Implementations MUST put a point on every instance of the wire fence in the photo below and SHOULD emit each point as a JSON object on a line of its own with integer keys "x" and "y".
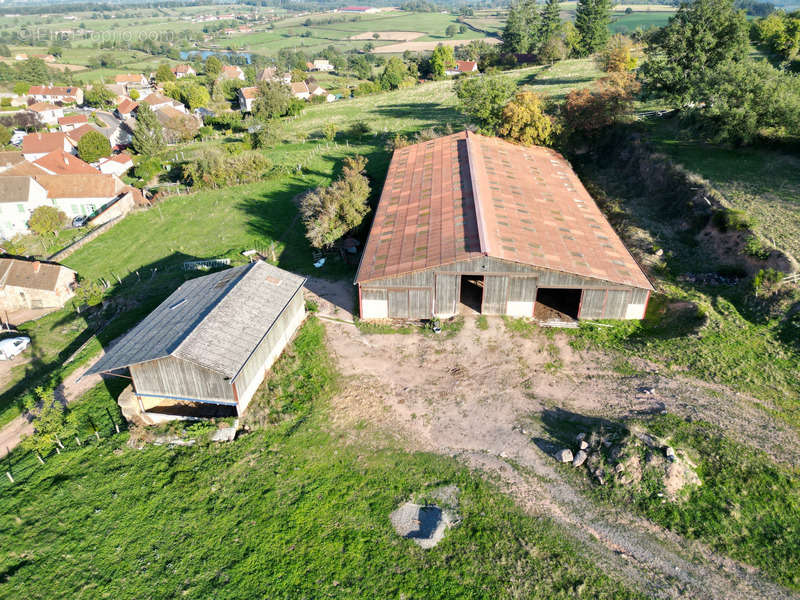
{"x": 19, "y": 465}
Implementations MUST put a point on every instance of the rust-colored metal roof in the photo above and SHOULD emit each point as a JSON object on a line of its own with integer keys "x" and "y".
{"x": 466, "y": 195}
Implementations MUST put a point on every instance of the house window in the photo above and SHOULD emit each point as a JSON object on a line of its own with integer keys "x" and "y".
{"x": 21, "y": 208}
{"x": 74, "y": 209}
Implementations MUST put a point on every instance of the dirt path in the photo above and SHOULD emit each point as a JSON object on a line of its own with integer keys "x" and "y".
{"x": 467, "y": 396}
{"x": 69, "y": 390}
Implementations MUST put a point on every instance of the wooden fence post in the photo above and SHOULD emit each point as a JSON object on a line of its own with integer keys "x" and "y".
{"x": 10, "y": 478}
{"x": 39, "y": 456}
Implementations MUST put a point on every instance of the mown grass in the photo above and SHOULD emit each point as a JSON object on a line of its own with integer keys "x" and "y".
{"x": 747, "y": 507}
{"x": 294, "y": 510}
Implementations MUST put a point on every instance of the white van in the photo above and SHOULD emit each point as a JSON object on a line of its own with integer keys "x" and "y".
{"x": 10, "y": 347}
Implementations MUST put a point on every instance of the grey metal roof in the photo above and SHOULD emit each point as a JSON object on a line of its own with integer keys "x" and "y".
{"x": 214, "y": 321}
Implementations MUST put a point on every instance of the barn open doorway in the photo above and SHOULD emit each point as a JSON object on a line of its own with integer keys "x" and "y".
{"x": 471, "y": 293}
{"x": 557, "y": 304}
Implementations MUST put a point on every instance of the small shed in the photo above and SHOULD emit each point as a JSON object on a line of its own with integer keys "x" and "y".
{"x": 473, "y": 223}
{"x": 205, "y": 350}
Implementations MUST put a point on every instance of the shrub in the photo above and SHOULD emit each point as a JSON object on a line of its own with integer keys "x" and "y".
{"x": 93, "y": 146}
{"x": 359, "y": 129}
{"x": 213, "y": 168}
{"x": 46, "y": 221}
{"x": 732, "y": 220}
{"x": 524, "y": 120}
{"x": 330, "y": 212}
{"x": 754, "y": 247}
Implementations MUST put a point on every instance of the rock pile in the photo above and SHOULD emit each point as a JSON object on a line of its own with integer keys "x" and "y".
{"x": 625, "y": 457}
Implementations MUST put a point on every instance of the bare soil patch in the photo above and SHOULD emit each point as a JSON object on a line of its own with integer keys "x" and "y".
{"x": 477, "y": 396}
{"x": 391, "y": 36}
{"x": 425, "y": 46}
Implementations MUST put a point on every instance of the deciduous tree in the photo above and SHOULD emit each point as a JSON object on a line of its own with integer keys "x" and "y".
{"x": 701, "y": 35}
{"x": 272, "y": 100}
{"x": 93, "y": 146}
{"x": 331, "y": 212}
{"x": 442, "y": 59}
{"x": 523, "y": 120}
{"x": 483, "y": 99}
{"x": 47, "y": 221}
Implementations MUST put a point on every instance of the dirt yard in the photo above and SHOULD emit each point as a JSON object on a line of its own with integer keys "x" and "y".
{"x": 391, "y": 36}
{"x": 481, "y": 395}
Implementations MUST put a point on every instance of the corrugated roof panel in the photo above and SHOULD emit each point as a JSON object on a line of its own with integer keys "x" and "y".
{"x": 473, "y": 195}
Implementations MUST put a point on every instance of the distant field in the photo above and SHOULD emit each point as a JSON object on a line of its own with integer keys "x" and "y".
{"x": 622, "y": 23}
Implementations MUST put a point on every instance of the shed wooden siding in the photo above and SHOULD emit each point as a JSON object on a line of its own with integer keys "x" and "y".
{"x": 508, "y": 287}
{"x": 172, "y": 377}
{"x": 252, "y": 373}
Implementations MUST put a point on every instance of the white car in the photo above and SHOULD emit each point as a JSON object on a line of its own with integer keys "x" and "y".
{"x": 10, "y": 347}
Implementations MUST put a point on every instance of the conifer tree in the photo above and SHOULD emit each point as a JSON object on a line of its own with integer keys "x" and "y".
{"x": 550, "y": 20}
{"x": 591, "y": 20}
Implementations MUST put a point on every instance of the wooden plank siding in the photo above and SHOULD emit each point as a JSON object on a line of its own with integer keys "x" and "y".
{"x": 436, "y": 291}
{"x": 174, "y": 378}
{"x": 252, "y": 373}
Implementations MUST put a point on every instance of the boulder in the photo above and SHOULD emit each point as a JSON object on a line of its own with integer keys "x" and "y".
{"x": 580, "y": 437}
{"x": 583, "y": 445}
{"x": 564, "y": 455}
{"x": 579, "y": 459}
{"x": 669, "y": 452}
{"x": 226, "y": 434}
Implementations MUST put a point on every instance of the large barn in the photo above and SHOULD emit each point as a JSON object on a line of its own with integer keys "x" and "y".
{"x": 467, "y": 222}
{"x": 205, "y": 350}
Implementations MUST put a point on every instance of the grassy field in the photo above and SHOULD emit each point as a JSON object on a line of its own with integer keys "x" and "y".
{"x": 294, "y": 510}
{"x": 763, "y": 181}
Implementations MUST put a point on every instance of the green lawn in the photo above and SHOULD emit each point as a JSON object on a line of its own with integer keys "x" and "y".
{"x": 289, "y": 511}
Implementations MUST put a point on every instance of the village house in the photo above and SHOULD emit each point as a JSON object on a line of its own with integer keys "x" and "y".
{"x": 233, "y": 72}
{"x": 59, "y": 162}
{"x": 47, "y": 113}
{"x": 116, "y": 164}
{"x": 34, "y": 284}
{"x": 205, "y": 350}
{"x": 321, "y": 64}
{"x": 70, "y": 122}
{"x": 56, "y": 94}
{"x": 461, "y": 67}
{"x": 20, "y": 56}
{"x": 156, "y": 101}
{"x": 247, "y": 96}
{"x": 300, "y": 90}
{"x": 176, "y": 123}
{"x": 36, "y": 145}
{"x": 271, "y": 74}
{"x": 10, "y": 158}
{"x": 468, "y": 223}
{"x": 48, "y": 58}
{"x": 81, "y": 195}
{"x": 181, "y": 71}
{"x": 132, "y": 80}
{"x": 125, "y": 109}
{"x": 128, "y": 199}
{"x": 22, "y": 194}
{"x": 314, "y": 89}
{"x": 362, "y": 10}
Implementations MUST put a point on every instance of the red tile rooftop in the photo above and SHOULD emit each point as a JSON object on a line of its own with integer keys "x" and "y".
{"x": 466, "y": 195}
